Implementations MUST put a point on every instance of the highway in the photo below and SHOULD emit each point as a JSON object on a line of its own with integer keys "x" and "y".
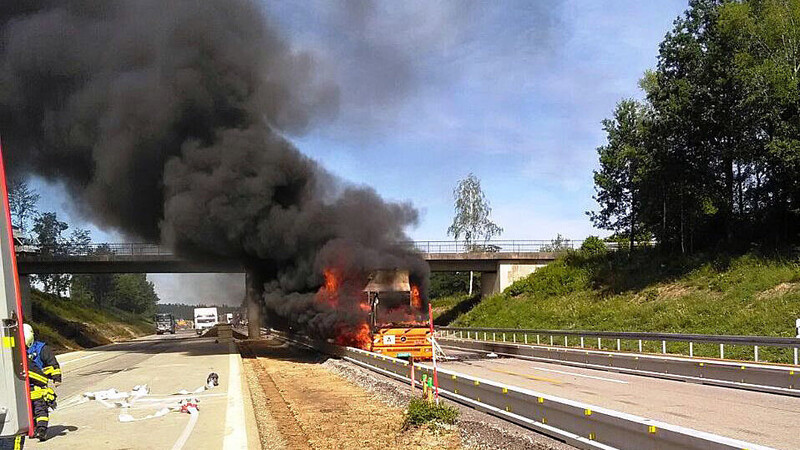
{"x": 761, "y": 418}
{"x": 166, "y": 364}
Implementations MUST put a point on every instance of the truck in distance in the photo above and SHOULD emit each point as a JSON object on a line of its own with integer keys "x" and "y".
{"x": 205, "y": 318}
{"x": 165, "y": 323}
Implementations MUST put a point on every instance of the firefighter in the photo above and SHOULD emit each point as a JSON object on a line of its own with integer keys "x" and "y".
{"x": 42, "y": 368}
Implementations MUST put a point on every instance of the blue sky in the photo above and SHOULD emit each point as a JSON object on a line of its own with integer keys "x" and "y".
{"x": 431, "y": 91}
{"x": 512, "y": 91}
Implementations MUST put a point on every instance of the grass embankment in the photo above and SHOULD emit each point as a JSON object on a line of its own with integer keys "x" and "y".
{"x": 69, "y": 325}
{"x": 446, "y": 309}
{"x": 744, "y": 295}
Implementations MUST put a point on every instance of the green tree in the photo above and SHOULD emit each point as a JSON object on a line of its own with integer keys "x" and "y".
{"x": 133, "y": 293}
{"x": 48, "y": 232}
{"x": 22, "y": 202}
{"x": 471, "y": 221}
{"x": 765, "y": 36}
{"x": 445, "y": 284}
{"x": 619, "y": 180}
{"x": 94, "y": 288}
{"x": 712, "y": 158}
{"x": 472, "y": 210}
{"x": 79, "y": 241}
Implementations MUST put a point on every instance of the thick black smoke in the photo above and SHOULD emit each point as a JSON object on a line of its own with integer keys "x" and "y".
{"x": 166, "y": 121}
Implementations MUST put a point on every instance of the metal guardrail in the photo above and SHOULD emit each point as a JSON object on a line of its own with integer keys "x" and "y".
{"x": 773, "y": 378}
{"x": 579, "y": 424}
{"x": 512, "y": 334}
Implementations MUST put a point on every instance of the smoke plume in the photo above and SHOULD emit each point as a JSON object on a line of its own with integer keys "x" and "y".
{"x": 167, "y": 121}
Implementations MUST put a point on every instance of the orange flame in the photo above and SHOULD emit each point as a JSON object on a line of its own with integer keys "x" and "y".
{"x": 416, "y": 300}
{"x": 329, "y": 292}
{"x": 361, "y": 337}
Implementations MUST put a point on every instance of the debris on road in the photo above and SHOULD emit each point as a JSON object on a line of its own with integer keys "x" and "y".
{"x": 212, "y": 380}
{"x": 112, "y": 398}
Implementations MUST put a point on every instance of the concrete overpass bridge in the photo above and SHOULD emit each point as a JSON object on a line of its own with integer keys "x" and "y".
{"x": 500, "y": 262}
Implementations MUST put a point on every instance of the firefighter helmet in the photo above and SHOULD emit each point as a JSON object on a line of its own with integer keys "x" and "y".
{"x": 28, "y": 331}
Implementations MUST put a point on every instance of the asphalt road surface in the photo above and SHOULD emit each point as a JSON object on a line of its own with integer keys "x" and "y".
{"x": 167, "y": 364}
{"x": 761, "y": 418}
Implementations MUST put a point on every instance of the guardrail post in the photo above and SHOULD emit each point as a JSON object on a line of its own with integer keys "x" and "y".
{"x": 599, "y": 344}
{"x": 493, "y": 339}
{"x": 514, "y": 338}
{"x": 640, "y": 346}
{"x": 795, "y": 356}
{"x": 721, "y": 351}
{"x": 551, "y": 340}
{"x": 755, "y": 353}
{"x": 526, "y": 339}
{"x": 484, "y": 335}
{"x": 581, "y": 341}
{"x": 460, "y": 334}
{"x": 619, "y": 345}
{"x": 691, "y": 349}
{"x": 795, "y": 350}
{"x": 504, "y": 337}
{"x": 663, "y": 346}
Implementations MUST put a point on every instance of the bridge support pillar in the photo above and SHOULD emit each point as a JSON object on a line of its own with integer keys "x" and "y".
{"x": 25, "y": 294}
{"x": 490, "y": 284}
{"x": 507, "y": 273}
{"x": 255, "y": 293}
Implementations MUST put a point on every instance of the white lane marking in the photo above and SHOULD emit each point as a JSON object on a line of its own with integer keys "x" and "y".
{"x": 186, "y": 432}
{"x": 581, "y": 375}
{"x": 82, "y": 357}
{"x": 235, "y": 433}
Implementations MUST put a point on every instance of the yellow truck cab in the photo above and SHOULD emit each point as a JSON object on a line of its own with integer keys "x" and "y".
{"x": 397, "y": 330}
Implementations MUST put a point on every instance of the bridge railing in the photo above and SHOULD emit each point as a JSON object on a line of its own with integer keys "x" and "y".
{"x": 455, "y": 247}
{"x": 498, "y": 246}
{"x": 94, "y": 250}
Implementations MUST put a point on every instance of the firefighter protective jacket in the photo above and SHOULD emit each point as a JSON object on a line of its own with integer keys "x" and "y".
{"x": 43, "y": 356}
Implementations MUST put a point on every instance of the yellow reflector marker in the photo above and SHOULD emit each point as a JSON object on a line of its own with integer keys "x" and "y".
{"x": 8, "y": 342}
{"x": 701, "y": 364}
{"x": 455, "y": 391}
{"x": 454, "y": 377}
{"x": 544, "y": 420}
{"x": 477, "y": 383}
{"x": 742, "y": 367}
{"x": 508, "y": 408}
{"x": 652, "y": 429}
{"x": 587, "y": 412}
{"x": 505, "y": 390}
{"x": 591, "y": 436}
{"x": 541, "y": 399}
{"x": 791, "y": 372}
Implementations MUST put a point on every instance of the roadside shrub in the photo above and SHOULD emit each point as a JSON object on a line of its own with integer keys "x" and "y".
{"x": 593, "y": 246}
{"x": 421, "y": 412}
{"x": 557, "y": 278}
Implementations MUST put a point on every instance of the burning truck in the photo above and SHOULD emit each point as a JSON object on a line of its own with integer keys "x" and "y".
{"x": 408, "y": 337}
{"x": 389, "y": 312}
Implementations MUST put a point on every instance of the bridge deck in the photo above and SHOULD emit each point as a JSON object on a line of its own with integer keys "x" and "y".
{"x": 153, "y": 259}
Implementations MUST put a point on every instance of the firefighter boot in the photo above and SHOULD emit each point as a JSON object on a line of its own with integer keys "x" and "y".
{"x": 40, "y": 433}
